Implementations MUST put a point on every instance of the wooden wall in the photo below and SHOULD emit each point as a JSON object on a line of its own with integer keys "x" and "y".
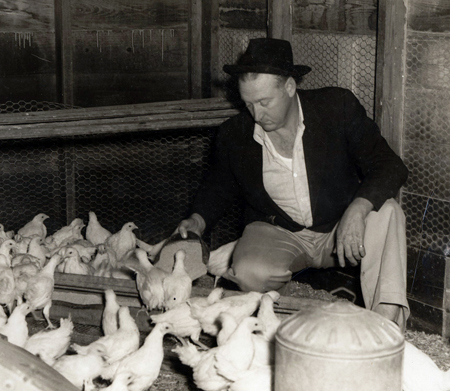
{"x": 108, "y": 52}
{"x": 425, "y": 145}
{"x": 349, "y": 16}
{"x": 129, "y": 51}
{"x": 27, "y": 44}
{"x": 243, "y": 14}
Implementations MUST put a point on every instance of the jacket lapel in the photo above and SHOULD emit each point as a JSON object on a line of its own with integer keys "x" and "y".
{"x": 315, "y": 147}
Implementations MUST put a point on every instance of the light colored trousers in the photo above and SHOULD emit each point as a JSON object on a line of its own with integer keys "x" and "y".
{"x": 267, "y": 255}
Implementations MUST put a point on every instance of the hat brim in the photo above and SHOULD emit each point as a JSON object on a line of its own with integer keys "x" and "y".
{"x": 296, "y": 71}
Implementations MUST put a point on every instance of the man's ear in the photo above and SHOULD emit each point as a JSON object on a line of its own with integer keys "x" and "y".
{"x": 291, "y": 87}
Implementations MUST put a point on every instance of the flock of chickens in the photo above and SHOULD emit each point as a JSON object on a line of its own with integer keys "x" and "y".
{"x": 28, "y": 260}
{"x": 242, "y": 359}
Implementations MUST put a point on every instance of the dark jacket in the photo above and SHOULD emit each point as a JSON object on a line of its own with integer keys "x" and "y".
{"x": 345, "y": 155}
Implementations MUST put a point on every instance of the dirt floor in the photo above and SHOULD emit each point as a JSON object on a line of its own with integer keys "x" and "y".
{"x": 176, "y": 377}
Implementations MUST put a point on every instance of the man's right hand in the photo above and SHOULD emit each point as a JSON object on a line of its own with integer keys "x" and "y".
{"x": 195, "y": 223}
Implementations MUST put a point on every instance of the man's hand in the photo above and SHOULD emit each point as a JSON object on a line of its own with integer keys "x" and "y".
{"x": 350, "y": 232}
{"x": 195, "y": 223}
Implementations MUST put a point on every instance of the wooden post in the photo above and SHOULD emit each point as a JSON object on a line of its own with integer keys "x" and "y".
{"x": 63, "y": 37}
{"x": 195, "y": 49}
{"x": 389, "y": 91}
{"x": 214, "y": 48}
{"x": 280, "y": 19}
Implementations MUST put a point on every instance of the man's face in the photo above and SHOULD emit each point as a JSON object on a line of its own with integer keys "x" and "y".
{"x": 267, "y": 101}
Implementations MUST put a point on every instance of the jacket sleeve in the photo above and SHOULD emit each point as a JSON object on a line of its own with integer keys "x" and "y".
{"x": 383, "y": 172}
{"x": 220, "y": 188}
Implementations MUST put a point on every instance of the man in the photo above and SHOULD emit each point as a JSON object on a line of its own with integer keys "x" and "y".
{"x": 317, "y": 177}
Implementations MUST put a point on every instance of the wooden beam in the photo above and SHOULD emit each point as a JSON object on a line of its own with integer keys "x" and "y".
{"x": 104, "y": 121}
{"x": 121, "y": 112}
{"x": 389, "y": 91}
{"x": 280, "y": 19}
{"x": 211, "y": 49}
{"x": 64, "y": 56}
{"x": 195, "y": 52}
{"x": 286, "y": 305}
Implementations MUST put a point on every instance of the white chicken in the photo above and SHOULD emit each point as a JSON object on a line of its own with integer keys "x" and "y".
{"x": 85, "y": 248}
{"x": 3, "y": 235}
{"x": 267, "y": 315}
{"x": 220, "y": 259}
{"x": 120, "y": 243}
{"x": 257, "y": 378}
{"x": 149, "y": 280}
{"x": 7, "y": 282}
{"x": 228, "y": 325}
{"x": 79, "y": 369}
{"x": 35, "y": 227}
{"x": 140, "y": 369}
{"x": 177, "y": 286}
{"x": 72, "y": 263}
{"x": 203, "y": 366}
{"x": 115, "y": 346}
{"x": 22, "y": 243}
{"x": 265, "y": 341}
{"x": 239, "y": 348}
{"x": 420, "y": 373}
{"x": 181, "y": 320}
{"x": 6, "y": 250}
{"x": 152, "y": 250}
{"x": 95, "y": 233}
{"x": 101, "y": 264}
{"x": 240, "y": 306}
{"x": 3, "y": 316}
{"x": 109, "y": 315}
{"x": 49, "y": 345}
{"x": 37, "y": 249}
{"x": 16, "y": 328}
{"x": 40, "y": 288}
{"x": 68, "y": 234}
{"x": 22, "y": 272}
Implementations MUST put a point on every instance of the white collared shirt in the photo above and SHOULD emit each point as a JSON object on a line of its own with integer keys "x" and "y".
{"x": 286, "y": 180}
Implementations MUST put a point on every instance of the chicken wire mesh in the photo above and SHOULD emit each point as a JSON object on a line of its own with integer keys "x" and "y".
{"x": 344, "y": 60}
{"x": 31, "y": 106}
{"x": 149, "y": 178}
{"x": 426, "y": 195}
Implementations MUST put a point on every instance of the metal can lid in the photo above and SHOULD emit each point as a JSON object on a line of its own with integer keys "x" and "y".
{"x": 339, "y": 329}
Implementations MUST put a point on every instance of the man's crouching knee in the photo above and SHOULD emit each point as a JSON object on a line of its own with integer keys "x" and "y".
{"x": 256, "y": 279}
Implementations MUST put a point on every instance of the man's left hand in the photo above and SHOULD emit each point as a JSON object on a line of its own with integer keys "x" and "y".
{"x": 350, "y": 232}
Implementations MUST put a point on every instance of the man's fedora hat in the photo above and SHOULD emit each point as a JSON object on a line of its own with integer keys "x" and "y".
{"x": 268, "y": 55}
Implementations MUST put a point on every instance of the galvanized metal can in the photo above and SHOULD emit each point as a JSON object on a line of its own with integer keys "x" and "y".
{"x": 338, "y": 347}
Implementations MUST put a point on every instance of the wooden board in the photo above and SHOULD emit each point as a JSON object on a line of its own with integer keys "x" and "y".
{"x": 26, "y": 15}
{"x": 351, "y": 16}
{"x": 238, "y": 14}
{"x": 131, "y": 51}
{"x": 87, "y": 306}
{"x": 128, "y": 14}
{"x": 40, "y": 87}
{"x": 179, "y": 115}
{"x": 99, "y": 89}
{"x": 64, "y": 51}
{"x": 280, "y": 19}
{"x": 429, "y": 15}
{"x": 389, "y": 106}
{"x": 28, "y": 53}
